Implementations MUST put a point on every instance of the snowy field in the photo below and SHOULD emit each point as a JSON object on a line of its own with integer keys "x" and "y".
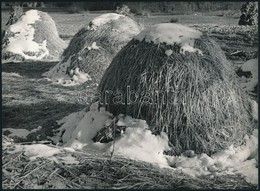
{"x": 57, "y": 122}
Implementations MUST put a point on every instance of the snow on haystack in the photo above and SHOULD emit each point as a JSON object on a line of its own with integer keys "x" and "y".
{"x": 33, "y": 37}
{"x": 170, "y": 34}
{"x": 93, "y": 47}
{"x": 103, "y": 19}
{"x": 138, "y": 143}
{"x": 251, "y": 83}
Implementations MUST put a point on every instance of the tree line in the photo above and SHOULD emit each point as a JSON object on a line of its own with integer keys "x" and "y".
{"x": 152, "y": 6}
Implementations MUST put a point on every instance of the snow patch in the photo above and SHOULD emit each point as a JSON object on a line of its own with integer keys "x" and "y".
{"x": 242, "y": 160}
{"x": 103, "y": 19}
{"x": 22, "y": 42}
{"x": 254, "y": 109}
{"x": 37, "y": 151}
{"x": 138, "y": 143}
{"x": 93, "y": 46}
{"x": 69, "y": 123}
{"x": 13, "y": 74}
{"x": 77, "y": 78}
{"x": 44, "y": 151}
{"x": 22, "y": 133}
{"x": 92, "y": 122}
{"x": 189, "y": 48}
{"x": 17, "y": 132}
{"x": 250, "y": 66}
{"x": 171, "y": 33}
{"x": 68, "y": 159}
{"x": 168, "y": 52}
{"x": 80, "y": 77}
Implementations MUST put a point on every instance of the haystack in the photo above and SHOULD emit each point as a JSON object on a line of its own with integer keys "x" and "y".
{"x": 33, "y": 37}
{"x": 180, "y": 82}
{"x": 93, "y": 47}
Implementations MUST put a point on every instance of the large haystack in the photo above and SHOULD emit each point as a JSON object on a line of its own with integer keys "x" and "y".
{"x": 93, "y": 47}
{"x": 33, "y": 37}
{"x": 180, "y": 82}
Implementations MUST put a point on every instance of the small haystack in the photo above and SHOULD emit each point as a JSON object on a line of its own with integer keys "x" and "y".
{"x": 94, "y": 46}
{"x": 180, "y": 82}
{"x": 33, "y": 37}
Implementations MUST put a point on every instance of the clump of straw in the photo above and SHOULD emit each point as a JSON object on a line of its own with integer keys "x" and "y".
{"x": 194, "y": 98}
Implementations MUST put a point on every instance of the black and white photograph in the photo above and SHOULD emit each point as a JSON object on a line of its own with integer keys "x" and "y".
{"x": 129, "y": 95}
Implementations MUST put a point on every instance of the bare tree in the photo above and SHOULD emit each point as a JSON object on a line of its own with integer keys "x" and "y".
{"x": 249, "y": 13}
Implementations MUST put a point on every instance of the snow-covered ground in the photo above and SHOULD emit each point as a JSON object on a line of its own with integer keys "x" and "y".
{"x": 138, "y": 143}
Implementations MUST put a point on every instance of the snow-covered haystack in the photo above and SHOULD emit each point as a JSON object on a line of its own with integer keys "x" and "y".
{"x": 181, "y": 83}
{"x": 93, "y": 47}
{"x": 33, "y": 37}
{"x": 249, "y": 69}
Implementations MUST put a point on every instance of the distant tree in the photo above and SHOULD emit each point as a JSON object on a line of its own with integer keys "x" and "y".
{"x": 41, "y": 4}
{"x": 123, "y": 10}
{"x": 249, "y": 13}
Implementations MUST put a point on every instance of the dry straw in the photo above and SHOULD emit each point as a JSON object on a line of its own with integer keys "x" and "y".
{"x": 109, "y": 39}
{"x": 99, "y": 171}
{"x": 44, "y": 29}
{"x": 205, "y": 111}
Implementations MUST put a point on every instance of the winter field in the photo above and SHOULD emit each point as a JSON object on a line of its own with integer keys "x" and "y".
{"x": 35, "y": 109}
